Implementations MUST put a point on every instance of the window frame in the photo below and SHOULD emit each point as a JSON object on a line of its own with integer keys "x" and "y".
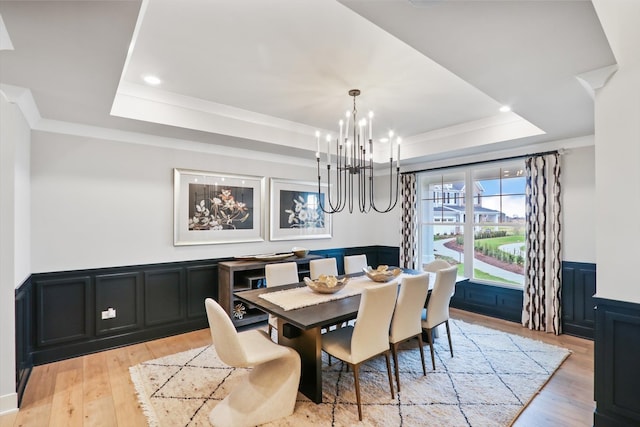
{"x": 468, "y": 223}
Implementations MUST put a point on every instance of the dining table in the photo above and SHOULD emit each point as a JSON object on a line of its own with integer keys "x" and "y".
{"x": 303, "y": 314}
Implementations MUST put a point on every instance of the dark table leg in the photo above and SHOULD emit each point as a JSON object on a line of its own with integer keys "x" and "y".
{"x": 308, "y": 344}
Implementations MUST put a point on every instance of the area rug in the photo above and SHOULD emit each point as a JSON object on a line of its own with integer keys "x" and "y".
{"x": 490, "y": 379}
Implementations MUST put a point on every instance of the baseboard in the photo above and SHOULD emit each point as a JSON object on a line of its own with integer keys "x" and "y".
{"x": 8, "y": 403}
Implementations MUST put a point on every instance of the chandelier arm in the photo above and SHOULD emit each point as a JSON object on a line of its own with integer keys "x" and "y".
{"x": 340, "y": 189}
{"x": 322, "y": 207}
{"x": 339, "y": 204}
{"x": 393, "y": 201}
{"x": 339, "y": 168}
{"x": 365, "y": 205}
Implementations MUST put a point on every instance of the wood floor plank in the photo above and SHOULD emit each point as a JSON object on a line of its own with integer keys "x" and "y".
{"x": 139, "y": 353}
{"x": 67, "y": 402}
{"x": 96, "y": 390}
{"x": 96, "y": 373}
{"x": 40, "y": 386}
{"x": 125, "y": 401}
{"x": 98, "y": 408}
{"x": 8, "y": 420}
{"x": 100, "y": 412}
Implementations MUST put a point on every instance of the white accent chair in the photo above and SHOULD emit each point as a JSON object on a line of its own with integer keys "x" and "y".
{"x": 437, "y": 311}
{"x": 280, "y": 274}
{"x": 435, "y": 265}
{"x": 370, "y": 335}
{"x": 406, "y": 321}
{"x": 355, "y": 263}
{"x": 318, "y": 267}
{"x": 269, "y": 390}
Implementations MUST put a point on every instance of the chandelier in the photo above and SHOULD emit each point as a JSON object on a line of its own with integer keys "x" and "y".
{"x": 353, "y": 169}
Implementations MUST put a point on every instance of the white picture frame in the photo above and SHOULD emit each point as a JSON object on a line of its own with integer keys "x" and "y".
{"x": 215, "y": 208}
{"x": 295, "y": 213}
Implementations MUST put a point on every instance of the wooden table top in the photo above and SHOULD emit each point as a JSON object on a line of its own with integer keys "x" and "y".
{"x": 328, "y": 313}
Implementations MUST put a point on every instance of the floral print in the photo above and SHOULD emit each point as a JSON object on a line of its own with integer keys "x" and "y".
{"x": 304, "y": 216}
{"x": 221, "y": 212}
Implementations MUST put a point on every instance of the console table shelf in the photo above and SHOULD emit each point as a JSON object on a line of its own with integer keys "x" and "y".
{"x": 239, "y": 275}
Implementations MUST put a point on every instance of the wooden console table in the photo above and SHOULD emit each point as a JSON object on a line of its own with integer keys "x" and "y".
{"x": 238, "y": 275}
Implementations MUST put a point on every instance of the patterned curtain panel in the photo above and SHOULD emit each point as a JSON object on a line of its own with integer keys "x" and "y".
{"x": 409, "y": 222}
{"x": 542, "y": 284}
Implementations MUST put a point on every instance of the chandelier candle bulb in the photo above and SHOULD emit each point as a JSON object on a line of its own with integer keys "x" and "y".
{"x": 328, "y": 148}
{"x": 398, "y": 161}
{"x": 346, "y": 127}
{"x": 370, "y": 124}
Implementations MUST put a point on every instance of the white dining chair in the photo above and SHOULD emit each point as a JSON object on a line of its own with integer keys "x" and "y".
{"x": 369, "y": 337}
{"x": 437, "y": 311}
{"x": 270, "y": 388}
{"x": 318, "y": 267}
{"x": 406, "y": 321}
{"x": 276, "y": 275}
{"x": 329, "y": 267}
{"x": 355, "y": 263}
{"x": 436, "y": 264}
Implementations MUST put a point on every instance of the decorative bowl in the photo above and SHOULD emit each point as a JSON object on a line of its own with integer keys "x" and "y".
{"x": 326, "y": 284}
{"x": 381, "y": 274}
{"x": 300, "y": 252}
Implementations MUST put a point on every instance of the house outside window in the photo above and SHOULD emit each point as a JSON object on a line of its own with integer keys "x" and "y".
{"x": 474, "y": 217}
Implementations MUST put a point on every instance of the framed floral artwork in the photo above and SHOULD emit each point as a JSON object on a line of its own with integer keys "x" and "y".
{"x": 295, "y": 211}
{"x": 211, "y": 208}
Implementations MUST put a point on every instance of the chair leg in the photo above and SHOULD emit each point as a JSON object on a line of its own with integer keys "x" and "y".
{"x": 269, "y": 329}
{"x": 394, "y": 353}
{"x": 386, "y": 356}
{"x": 356, "y": 382}
{"x": 449, "y": 336}
{"x": 430, "y": 341}
{"x": 420, "y": 345}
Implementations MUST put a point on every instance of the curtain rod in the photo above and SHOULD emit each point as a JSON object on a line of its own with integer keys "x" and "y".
{"x": 480, "y": 162}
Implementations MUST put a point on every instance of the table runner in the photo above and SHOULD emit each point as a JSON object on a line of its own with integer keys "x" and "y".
{"x": 290, "y": 299}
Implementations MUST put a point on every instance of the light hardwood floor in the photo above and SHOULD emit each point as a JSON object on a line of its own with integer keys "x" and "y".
{"x": 96, "y": 390}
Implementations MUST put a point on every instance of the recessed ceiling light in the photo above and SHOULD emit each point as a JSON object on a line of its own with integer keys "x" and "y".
{"x": 152, "y": 80}
{"x": 505, "y": 109}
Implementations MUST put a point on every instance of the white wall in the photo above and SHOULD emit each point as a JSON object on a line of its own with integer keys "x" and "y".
{"x": 617, "y": 154}
{"x": 14, "y": 236}
{"x": 102, "y": 203}
{"x": 578, "y": 205}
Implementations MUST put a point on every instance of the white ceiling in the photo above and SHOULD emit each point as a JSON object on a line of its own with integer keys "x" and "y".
{"x": 267, "y": 74}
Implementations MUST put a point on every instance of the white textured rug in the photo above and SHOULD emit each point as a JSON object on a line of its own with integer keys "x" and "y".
{"x": 489, "y": 381}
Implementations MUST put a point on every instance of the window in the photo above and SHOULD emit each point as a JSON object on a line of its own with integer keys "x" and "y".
{"x": 474, "y": 217}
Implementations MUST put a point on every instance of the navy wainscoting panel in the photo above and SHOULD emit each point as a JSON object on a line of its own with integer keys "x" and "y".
{"x": 63, "y": 310}
{"x": 121, "y": 292}
{"x": 59, "y": 314}
{"x": 496, "y": 301}
{"x": 199, "y": 280}
{"x": 578, "y": 305}
{"x": 24, "y": 339}
{"x": 617, "y": 363}
{"x": 164, "y": 296}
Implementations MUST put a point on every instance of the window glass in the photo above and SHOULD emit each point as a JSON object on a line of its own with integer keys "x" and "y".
{"x": 493, "y": 233}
